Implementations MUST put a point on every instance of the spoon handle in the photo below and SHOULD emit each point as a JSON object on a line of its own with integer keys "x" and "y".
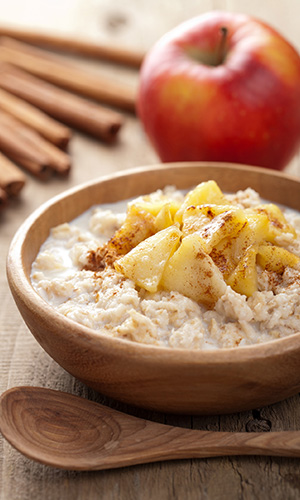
{"x": 201, "y": 444}
{"x": 162, "y": 442}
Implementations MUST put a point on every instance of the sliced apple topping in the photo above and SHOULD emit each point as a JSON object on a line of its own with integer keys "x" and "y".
{"x": 138, "y": 225}
{"x": 145, "y": 263}
{"x": 165, "y": 217}
{"x": 276, "y": 259}
{"x": 277, "y": 222}
{"x": 204, "y": 193}
{"x": 202, "y": 245}
{"x": 225, "y": 223}
{"x": 154, "y": 204}
{"x": 192, "y": 272}
{"x": 244, "y": 277}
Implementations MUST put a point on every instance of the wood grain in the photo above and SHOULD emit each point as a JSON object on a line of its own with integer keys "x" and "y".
{"x": 22, "y": 360}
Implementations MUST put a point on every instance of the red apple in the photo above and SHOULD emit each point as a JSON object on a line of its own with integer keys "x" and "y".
{"x": 222, "y": 87}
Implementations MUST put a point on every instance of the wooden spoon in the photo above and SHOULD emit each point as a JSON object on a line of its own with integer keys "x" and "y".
{"x": 70, "y": 432}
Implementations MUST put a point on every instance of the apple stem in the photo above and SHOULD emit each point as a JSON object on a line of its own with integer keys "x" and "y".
{"x": 222, "y": 47}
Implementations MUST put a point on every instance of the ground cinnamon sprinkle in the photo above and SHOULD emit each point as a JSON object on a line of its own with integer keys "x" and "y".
{"x": 274, "y": 280}
{"x": 100, "y": 258}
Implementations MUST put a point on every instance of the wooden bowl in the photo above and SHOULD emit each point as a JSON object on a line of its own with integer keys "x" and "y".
{"x": 163, "y": 379}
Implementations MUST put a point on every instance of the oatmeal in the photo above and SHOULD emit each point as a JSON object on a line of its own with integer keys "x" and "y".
{"x": 201, "y": 270}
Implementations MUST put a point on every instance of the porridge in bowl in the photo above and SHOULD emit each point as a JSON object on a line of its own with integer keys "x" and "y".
{"x": 197, "y": 270}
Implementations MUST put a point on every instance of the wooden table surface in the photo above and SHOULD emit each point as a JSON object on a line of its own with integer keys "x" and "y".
{"x": 135, "y": 23}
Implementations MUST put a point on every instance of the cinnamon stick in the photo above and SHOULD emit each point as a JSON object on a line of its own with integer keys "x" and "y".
{"x": 20, "y": 149}
{"x": 49, "y": 128}
{"x": 42, "y": 173}
{"x": 64, "y": 106}
{"x": 58, "y": 160}
{"x": 97, "y": 50}
{"x": 3, "y": 198}
{"x": 71, "y": 77}
{"x": 12, "y": 179}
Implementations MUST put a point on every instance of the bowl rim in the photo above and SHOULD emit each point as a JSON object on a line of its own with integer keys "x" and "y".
{"x": 20, "y": 281}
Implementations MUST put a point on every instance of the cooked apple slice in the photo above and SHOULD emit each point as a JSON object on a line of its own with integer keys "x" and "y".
{"x": 153, "y": 205}
{"x": 195, "y": 218}
{"x": 274, "y": 258}
{"x": 223, "y": 257}
{"x": 243, "y": 280}
{"x": 205, "y": 193}
{"x": 145, "y": 263}
{"x": 164, "y": 218}
{"x": 277, "y": 221}
{"x": 226, "y": 224}
{"x": 231, "y": 250}
{"x": 137, "y": 226}
{"x": 193, "y": 273}
{"x": 253, "y": 233}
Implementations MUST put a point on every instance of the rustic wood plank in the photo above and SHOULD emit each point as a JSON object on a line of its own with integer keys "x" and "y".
{"x": 22, "y": 361}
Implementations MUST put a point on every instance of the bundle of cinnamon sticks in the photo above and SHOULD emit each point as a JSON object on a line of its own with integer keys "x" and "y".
{"x": 43, "y": 97}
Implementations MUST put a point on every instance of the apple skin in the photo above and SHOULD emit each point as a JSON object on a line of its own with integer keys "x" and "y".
{"x": 240, "y": 103}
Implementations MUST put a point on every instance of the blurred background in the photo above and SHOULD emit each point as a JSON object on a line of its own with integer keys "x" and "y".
{"x": 135, "y": 24}
{"x": 140, "y": 20}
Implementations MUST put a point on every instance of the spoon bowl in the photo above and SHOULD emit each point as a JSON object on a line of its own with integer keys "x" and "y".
{"x": 69, "y": 432}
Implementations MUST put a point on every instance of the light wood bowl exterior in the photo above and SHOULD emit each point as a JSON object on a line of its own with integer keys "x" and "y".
{"x": 168, "y": 380}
